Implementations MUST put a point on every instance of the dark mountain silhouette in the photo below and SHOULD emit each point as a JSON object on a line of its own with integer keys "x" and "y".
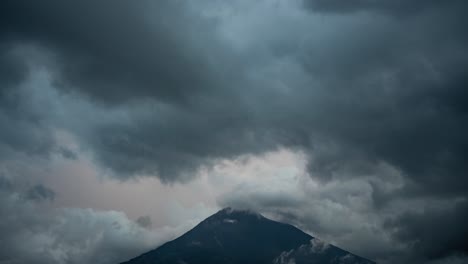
{"x": 245, "y": 237}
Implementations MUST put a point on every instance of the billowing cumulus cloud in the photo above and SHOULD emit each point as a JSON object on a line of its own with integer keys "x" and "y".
{"x": 371, "y": 93}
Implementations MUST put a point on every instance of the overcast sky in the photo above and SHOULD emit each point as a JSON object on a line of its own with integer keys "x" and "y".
{"x": 125, "y": 123}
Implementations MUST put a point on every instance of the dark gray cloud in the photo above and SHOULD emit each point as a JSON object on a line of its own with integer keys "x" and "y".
{"x": 115, "y": 50}
{"x": 40, "y": 192}
{"x": 156, "y": 88}
{"x": 392, "y": 93}
{"x": 155, "y": 52}
{"x": 67, "y": 153}
{"x": 419, "y": 229}
{"x": 12, "y": 69}
{"x": 23, "y": 129}
{"x": 145, "y": 221}
{"x": 383, "y": 96}
{"x": 5, "y": 183}
{"x": 398, "y": 7}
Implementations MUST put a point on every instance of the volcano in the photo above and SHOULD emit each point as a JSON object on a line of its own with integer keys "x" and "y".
{"x": 245, "y": 237}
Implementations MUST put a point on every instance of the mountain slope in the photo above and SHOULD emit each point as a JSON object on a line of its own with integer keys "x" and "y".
{"x": 232, "y": 237}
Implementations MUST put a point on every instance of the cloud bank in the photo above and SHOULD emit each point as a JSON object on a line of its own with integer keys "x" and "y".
{"x": 371, "y": 93}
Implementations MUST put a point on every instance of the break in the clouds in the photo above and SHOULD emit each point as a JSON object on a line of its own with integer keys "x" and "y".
{"x": 371, "y": 93}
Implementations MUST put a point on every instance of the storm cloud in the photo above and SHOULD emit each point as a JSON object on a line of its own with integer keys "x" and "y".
{"x": 373, "y": 93}
{"x": 398, "y": 8}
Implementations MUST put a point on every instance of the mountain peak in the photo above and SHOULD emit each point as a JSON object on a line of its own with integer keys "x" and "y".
{"x": 234, "y": 236}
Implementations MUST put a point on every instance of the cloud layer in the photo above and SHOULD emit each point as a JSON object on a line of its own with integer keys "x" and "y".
{"x": 371, "y": 93}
